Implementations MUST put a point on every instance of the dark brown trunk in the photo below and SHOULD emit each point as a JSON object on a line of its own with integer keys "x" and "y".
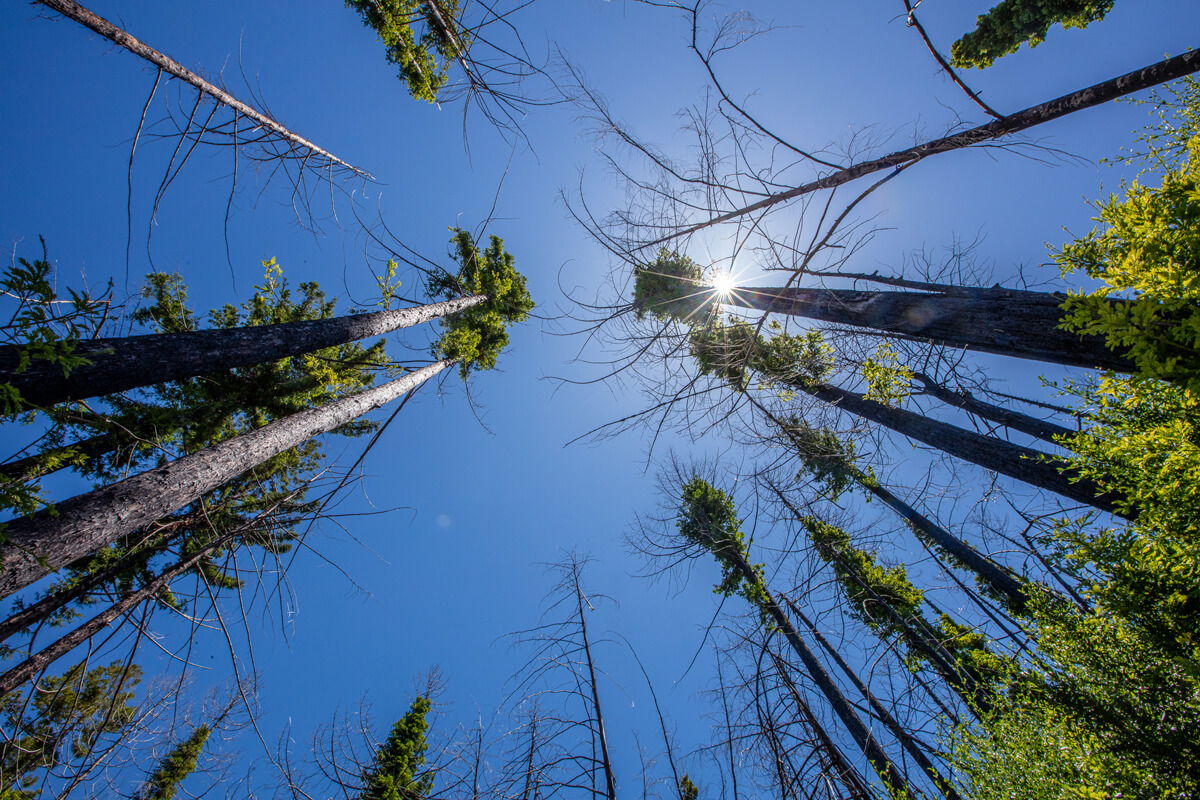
{"x": 1022, "y": 463}
{"x": 84, "y": 17}
{"x": 43, "y": 542}
{"x": 871, "y": 749}
{"x": 120, "y": 364}
{"x": 1135, "y": 81}
{"x": 1001, "y": 321}
{"x": 911, "y": 746}
{"x": 1030, "y": 426}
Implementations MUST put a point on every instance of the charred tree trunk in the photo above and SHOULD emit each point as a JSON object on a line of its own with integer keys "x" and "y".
{"x": 1100, "y": 93}
{"x": 871, "y": 749}
{"x": 1031, "y": 426}
{"x": 120, "y": 364}
{"x": 1022, "y": 463}
{"x": 42, "y": 542}
{"x": 84, "y": 17}
{"x": 1002, "y": 321}
{"x": 910, "y": 744}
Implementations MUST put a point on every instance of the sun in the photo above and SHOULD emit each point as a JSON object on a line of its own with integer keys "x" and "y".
{"x": 723, "y": 283}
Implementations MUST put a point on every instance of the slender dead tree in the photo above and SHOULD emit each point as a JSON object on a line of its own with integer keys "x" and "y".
{"x": 47, "y": 540}
{"x": 1031, "y": 426}
{"x": 124, "y": 363}
{"x": 94, "y": 22}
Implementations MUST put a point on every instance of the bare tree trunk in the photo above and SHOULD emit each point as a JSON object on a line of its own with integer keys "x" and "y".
{"x": 45, "y": 541}
{"x": 29, "y": 467}
{"x": 1030, "y": 426}
{"x": 124, "y": 363}
{"x": 1022, "y": 463}
{"x": 910, "y": 744}
{"x": 871, "y": 749}
{"x": 1135, "y": 81}
{"x": 610, "y": 780}
{"x": 988, "y": 320}
{"x": 84, "y": 17}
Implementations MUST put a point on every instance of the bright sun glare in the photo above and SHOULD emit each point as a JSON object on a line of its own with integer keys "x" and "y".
{"x": 723, "y": 283}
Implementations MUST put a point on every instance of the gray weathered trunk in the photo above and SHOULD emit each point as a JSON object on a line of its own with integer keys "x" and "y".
{"x": 124, "y": 363}
{"x": 1100, "y": 93}
{"x": 1022, "y": 463}
{"x": 1001, "y": 321}
{"x": 84, "y": 17}
{"x": 43, "y": 542}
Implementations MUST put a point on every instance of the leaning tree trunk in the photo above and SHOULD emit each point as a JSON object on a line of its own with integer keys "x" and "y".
{"x": 30, "y": 467}
{"x": 1000, "y": 580}
{"x": 871, "y": 749}
{"x": 120, "y": 364}
{"x": 911, "y": 746}
{"x": 1135, "y": 81}
{"x": 84, "y": 17}
{"x": 1024, "y": 423}
{"x": 40, "y": 543}
{"x": 1006, "y": 322}
{"x": 1022, "y": 463}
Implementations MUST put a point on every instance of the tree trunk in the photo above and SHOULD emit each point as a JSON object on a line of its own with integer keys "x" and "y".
{"x": 1002, "y": 582}
{"x": 84, "y": 17}
{"x": 1135, "y": 81}
{"x": 45, "y": 541}
{"x": 904, "y": 737}
{"x": 1030, "y": 426}
{"x": 124, "y": 363}
{"x": 29, "y": 467}
{"x": 1001, "y": 321}
{"x": 871, "y": 749}
{"x": 1022, "y": 463}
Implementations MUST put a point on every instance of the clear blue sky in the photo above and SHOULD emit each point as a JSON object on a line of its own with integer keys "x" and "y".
{"x": 495, "y": 498}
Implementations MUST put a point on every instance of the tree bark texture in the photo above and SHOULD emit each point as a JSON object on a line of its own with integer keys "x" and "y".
{"x": 1022, "y": 463}
{"x": 870, "y": 747}
{"x": 1030, "y": 426}
{"x": 121, "y": 364}
{"x": 1163, "y": 71}
{"x": 84, "y": 17}
{"x": 1001, "y": 321}
{"x": 43, "y": 542}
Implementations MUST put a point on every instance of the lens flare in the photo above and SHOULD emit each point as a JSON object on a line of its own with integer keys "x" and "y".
{"x": 723, "y": 283}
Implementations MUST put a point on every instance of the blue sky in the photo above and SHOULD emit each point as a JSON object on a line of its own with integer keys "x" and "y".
{"x": 494, "y": 489}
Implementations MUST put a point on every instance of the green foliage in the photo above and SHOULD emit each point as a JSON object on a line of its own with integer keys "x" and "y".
{"x": 886, "y": 378}
{"x": 829, "y": 458}
{"x": 163, "y": 782}
{"x": 1112, "y": 717}
{"x": 476, "y": 336}
{"x": 732, "y": 351}
{"x": 1011, "y": 23}
{"x": 708, "y": 518}
{"x": 670, "y": 288}
{"x": 63, "y": 721}
{"x": 396, "y": 772}
{"x": 415, "y": 56}
{"x": 687, "y": 789}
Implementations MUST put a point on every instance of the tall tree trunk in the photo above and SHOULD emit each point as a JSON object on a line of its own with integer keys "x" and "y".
{"x": 989, "y": 320}
{"x": 1135, "y": 81}
{"x": 1022, "y": 463}
{"x": 45, "y": 541}
{"x": 907, "y": 741}
{"x": 30, "y": 467}
{"x": 84, "y": 17}
{"x": 871, "y": 749}
{"x": 124, "y": 363}
{"x": 1030, "y": 426}
{"x": 22, "y": 672}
